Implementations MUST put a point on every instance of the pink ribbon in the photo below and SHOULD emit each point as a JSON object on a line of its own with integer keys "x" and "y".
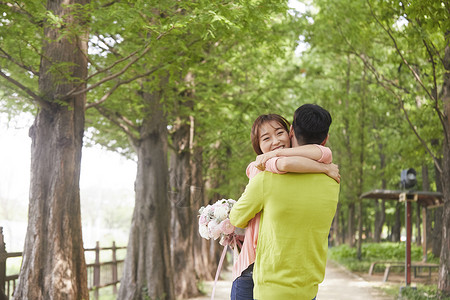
{"x": 232, "y": 241}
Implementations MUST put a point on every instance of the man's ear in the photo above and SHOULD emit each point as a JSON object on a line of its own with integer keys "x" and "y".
{"x": 291, "y": 132}
{"x": 325, "y": 140}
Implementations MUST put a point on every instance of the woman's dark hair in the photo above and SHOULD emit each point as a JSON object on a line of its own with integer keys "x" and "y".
{"x": 311, "y": 124}
{"x": 260, "y": 121}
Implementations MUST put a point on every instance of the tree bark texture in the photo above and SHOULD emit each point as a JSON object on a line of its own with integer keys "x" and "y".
{"x": 204, "y": 268}
{"x": 53, "y": 265}
{"x": 335, "y": 227}
{"x": 380, "y": 217}
{"x": 380, "y": 204}
{"x": 396, "y": 229}
{"x": 183, "y": 210}
{"x": 444, "y": 267}
{"x": 351, "y": 224}
{"x": 342, "y": 232}
{"x": 148, "y": 269}
{"x": 418, "y": 224}
{"x": 210, "y": 247}
{"x": 425, "y": 187}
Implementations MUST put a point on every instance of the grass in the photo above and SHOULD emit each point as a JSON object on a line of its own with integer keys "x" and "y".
{"x": 371, "y": 252}
{"x": 419, "y": 292}
{"x": 386, "y": 251}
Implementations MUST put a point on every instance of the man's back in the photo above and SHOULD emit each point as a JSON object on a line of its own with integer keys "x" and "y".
{"x": 297, "y": 211}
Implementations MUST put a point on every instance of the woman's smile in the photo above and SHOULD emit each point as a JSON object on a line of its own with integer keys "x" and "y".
{"x": 273, "y": 136}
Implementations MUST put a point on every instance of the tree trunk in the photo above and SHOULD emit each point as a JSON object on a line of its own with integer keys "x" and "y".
{"x": 362, "y": 145}
{"x": 360, "y": 229}
{"x": 380, "y": 217}
{"x": 213, "y": 248}
{"x": 351, "y": 225}
{"x": 430, "y": 216}
{"x": 444, "y": 267}
{"x": 148, "y": 270}
{"x": 53, "y": 264}
{"x": 183, "y": 210}
{"x": 396, "y": 229}
{"x": 202, "y": 258}
{"x": 380, "y": 207}
{"x": 436, "y": 242}
{"x": 335, "y": 227}
{"x": 343, "y": 231}
{"x": 425, "y": 187}
{"x": 418, "y": 223}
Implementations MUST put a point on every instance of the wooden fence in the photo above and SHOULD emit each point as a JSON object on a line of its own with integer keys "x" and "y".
{"x": 100, "y": 274}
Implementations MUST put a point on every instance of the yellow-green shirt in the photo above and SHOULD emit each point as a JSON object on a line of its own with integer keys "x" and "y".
{"x": 296, "y": 215}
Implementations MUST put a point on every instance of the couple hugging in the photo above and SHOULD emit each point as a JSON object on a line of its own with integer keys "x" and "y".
{"x": 287, "y": 217}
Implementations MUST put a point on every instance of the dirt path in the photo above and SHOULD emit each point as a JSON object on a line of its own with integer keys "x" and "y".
{"x": 339, "y": 284}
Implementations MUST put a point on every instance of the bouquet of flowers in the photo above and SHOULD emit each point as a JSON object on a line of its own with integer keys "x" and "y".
{"x": 214, "y": 223}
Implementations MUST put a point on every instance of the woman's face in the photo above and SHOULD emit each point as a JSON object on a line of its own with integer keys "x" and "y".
{"x": 272, "y": 136}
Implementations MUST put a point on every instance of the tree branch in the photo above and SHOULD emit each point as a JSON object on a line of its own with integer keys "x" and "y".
{"x": 110, "y": 3}
{"x": 74, "y": 91}
{"x": 415, "y": 74}
{"x": 109, "y": 93}
{"x": 436, "y": 103}
{"x": 28, "y": 91}
{"x": 119, "y": 120}
{"x": 109, "y": 48}
{"x": 17, "y": 9}
{"x": 380, "y": 79}
{"x": 10, "y": 58}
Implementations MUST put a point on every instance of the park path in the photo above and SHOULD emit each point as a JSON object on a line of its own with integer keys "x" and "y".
{"x": 339, "y": 284}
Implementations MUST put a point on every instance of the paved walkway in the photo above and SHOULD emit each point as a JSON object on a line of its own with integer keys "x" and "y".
{"x": 339, "y": 284}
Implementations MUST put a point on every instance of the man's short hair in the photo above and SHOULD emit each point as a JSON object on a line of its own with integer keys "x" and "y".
{"x": 311, "y": 124}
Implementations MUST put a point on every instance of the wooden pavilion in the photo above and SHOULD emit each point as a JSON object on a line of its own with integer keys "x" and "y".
{"x": 424, "y": 199}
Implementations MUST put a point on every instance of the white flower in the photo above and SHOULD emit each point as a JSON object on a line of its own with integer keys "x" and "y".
{"x": 231, "y": 202}
{"x": 200, "y": 211}
{"x": 214, "y": 229}
{"x": 203, "y": 220}
{"x": 209, "y": 210}
{"x": 204, "y": 232}
{"x": 221, "y": 212}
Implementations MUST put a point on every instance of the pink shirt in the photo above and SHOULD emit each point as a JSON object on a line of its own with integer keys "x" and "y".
{"x": 248, "y": 252}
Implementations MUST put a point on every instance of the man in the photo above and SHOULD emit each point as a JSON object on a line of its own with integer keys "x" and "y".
{"x": 296, "y": 215}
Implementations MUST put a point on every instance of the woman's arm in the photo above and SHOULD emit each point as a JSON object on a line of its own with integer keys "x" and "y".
{"x": 296, "y": 164}
{"x": 311, "y": 151}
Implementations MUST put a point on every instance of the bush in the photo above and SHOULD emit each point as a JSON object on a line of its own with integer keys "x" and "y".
{"x": 380, "y": 251}
{"x": 421, "y": 293}
{"x": 370, "y": 252}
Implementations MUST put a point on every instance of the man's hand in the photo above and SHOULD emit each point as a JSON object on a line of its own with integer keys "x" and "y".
{"x": 333, "y": 172}
{"x": 263, "y": 158}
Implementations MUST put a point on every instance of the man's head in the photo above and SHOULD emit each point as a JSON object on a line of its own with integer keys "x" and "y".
{"x": 311, "y": 124}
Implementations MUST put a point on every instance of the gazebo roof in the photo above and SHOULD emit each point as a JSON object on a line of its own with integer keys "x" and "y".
{"x": 427, "y": 199}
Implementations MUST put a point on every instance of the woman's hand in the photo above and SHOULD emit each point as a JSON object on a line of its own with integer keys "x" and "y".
{"x": 263, "y": 158}
{"x": 332, "y": 170}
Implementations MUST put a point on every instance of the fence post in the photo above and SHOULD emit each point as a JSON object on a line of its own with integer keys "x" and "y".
{"x": 114, "y": 268}
{"x": 2, "y": 264}
{"x": 97, "y": 269}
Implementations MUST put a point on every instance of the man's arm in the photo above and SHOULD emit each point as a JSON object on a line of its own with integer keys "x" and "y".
{"x": 249, "y": 204}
